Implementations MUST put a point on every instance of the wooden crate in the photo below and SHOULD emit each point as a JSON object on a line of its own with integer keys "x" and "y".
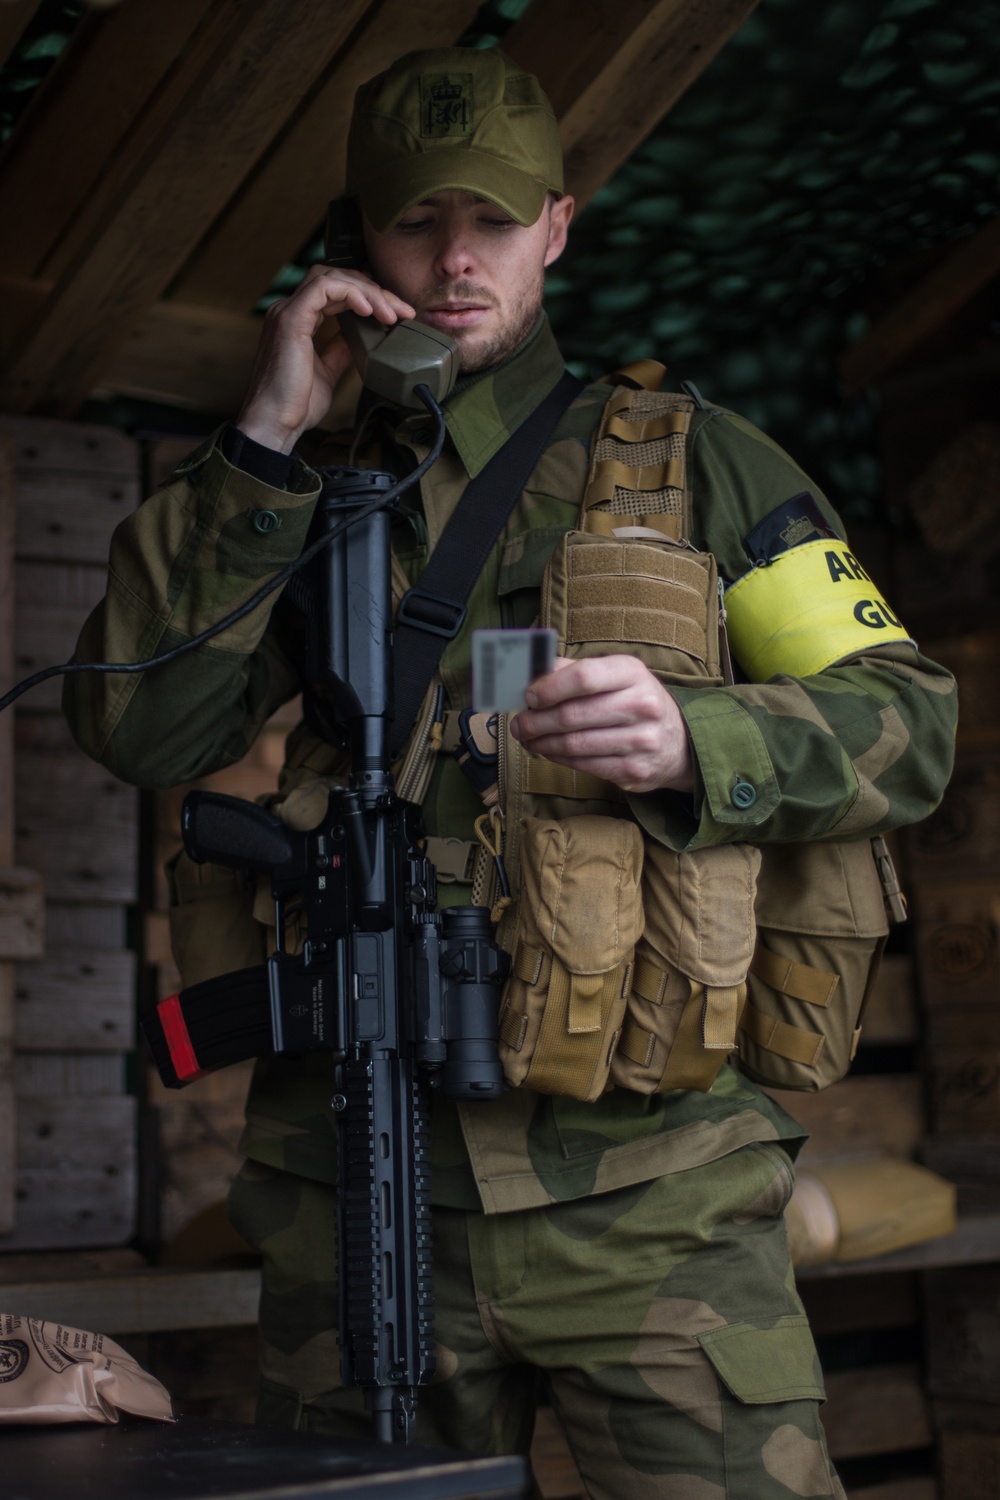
{"x": 961, "y": 839}
{"x": 963, "y": 1334}
{"x": 859, "y": 1116}
{"x": 963, "y": 1069}
{"x": 970, "y": 1465}
{"x": 974, "y": 659}
{"x": 78, "y": 827}
{"x": 891, "y": 1014}
{"x": 955, "y": 934}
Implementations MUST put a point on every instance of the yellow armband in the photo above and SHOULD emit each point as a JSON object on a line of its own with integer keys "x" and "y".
{"x": 810, "y": 607}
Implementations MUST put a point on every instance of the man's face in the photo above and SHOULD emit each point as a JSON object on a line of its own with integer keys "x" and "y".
{"x": 470, "y": 269}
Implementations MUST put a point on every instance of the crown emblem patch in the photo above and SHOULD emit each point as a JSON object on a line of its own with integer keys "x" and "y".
{"x": 446, "y": 104}
{"x": 13, "y": 1359}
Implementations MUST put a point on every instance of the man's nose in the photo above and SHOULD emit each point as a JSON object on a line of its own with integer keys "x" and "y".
{"x": 455, "y": 256}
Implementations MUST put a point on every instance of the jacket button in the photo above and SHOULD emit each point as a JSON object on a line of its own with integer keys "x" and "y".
{"x": 265, "y": 521}
{"x": 743, "y": 794}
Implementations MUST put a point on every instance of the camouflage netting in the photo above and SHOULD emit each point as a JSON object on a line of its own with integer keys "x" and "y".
{"x": 824, "y": 144}
{"x": 744, "y": 242}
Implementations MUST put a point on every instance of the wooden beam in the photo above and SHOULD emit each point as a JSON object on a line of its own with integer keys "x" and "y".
{"x": 972, "y": 265}
{"x": 199, "y": 139}
{"x": 14, "y": 21}
{"x": 878, "y": 1409}
{"x": 613, "y": 74}
{"x": 21, "y": 297}
{"x": 176, "y": 353}
{"x": 8, "y": 1133}
{"x": 113, "y": 65}
{"x": 285, "y": 200}
{"x": 973, "y": 1242}
{"x": 128, "y": 1299}
{"x": 197, "y": 357}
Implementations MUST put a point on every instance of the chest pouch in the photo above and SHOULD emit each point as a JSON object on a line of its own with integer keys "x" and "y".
{"x": 667, "y": 977}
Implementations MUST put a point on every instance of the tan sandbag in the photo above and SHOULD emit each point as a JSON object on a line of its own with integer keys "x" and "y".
{"x": 853, "y": 1210}
{"x": 50, "y": 1373}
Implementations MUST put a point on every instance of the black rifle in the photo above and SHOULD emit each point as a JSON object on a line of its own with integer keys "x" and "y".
{"x": 404, "y": 999}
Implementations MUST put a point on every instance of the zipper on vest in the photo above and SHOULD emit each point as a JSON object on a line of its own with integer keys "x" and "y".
{"x": 725, "y": 655}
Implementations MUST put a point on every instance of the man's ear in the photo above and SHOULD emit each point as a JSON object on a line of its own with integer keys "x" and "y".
{"x": 560, "y": 214}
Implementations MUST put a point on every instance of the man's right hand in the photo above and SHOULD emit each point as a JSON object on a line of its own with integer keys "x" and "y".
{"x": 301, "y": 356}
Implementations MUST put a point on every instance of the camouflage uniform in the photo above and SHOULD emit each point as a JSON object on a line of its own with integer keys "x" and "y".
{"x": 566, "y": 1232}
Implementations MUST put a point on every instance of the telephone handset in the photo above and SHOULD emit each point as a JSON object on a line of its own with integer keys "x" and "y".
{"x": 392, "y": 361}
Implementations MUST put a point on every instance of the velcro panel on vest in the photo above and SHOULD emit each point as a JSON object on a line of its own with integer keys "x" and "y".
{"x": 638, "y": 456}
{"x": 646, "y": 429}
{"x": 639, "y": 480}
{"x": 808, "y": 608}
{"x": 543, "y": 778}
{"x": 786, "y": 1041}
{"x": 814, "y": 986}
{"x": 634, "y": 593}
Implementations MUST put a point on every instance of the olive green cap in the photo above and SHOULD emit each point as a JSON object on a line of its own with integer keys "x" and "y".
{"x": 453, "y": 117}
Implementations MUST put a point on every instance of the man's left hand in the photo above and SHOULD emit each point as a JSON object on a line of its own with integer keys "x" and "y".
{"x": 608, "y": 716}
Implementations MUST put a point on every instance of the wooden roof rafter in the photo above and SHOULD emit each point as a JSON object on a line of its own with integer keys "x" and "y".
{"x": 221, "y": 176}
{"x": 965, "y": 271}
{"x": 14, "y": 21}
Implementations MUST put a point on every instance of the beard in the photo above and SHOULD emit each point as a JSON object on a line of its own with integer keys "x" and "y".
{"x": 481, "y": 351}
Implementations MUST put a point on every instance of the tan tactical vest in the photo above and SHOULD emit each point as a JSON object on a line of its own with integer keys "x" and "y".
{"x": 634, "y": 964}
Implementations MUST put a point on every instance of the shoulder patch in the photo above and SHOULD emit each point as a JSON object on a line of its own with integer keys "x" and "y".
{"x": 790, "y": 524}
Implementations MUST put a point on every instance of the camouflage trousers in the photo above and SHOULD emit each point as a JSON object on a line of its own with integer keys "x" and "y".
{"x": 661, "y": 1320}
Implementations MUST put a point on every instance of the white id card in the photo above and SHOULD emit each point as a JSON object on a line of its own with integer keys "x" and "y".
{"x": 504, "y": 662}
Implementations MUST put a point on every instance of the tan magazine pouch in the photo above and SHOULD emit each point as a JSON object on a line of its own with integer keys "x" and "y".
{"x": 689, "y": 979}
{"x": 822, "y": 925}
{"x": 580, "y": 916}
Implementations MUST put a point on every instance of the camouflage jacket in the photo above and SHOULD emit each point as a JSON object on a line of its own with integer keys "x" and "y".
{"x": 856, "y": 750}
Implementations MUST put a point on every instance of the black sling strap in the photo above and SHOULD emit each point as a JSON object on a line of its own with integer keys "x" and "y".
{"x": 433, "y": 611}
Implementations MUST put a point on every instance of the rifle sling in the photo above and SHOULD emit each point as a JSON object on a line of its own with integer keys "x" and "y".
{"x": 433, "y": 611}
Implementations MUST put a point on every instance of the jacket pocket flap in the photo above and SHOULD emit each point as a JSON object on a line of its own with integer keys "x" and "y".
{"x": 759, "y": 1365}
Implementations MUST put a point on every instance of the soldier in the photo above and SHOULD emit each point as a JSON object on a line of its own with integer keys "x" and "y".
{"x": 626, "y": 1254}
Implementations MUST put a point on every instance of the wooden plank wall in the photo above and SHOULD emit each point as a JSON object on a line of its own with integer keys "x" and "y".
{"x": 940, "y": 436}
{"x": 78, "y": 827}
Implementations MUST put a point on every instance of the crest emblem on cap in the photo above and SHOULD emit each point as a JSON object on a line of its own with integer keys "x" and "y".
{"x": 446, "y": 104}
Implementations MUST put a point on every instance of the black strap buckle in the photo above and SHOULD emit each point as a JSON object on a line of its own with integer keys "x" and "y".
{"x": 428, "y": 612}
